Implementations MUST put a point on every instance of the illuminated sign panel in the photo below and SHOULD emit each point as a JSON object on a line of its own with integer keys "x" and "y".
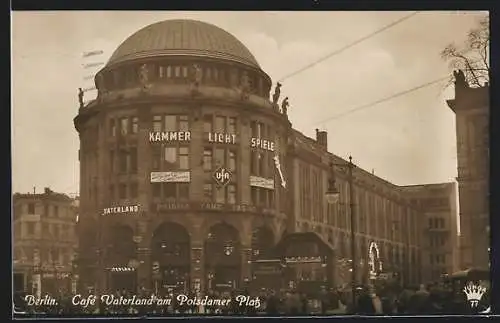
{"x": 170, "y": 177}
{"x": 262, "y": 144}
{"x": 262, "y": 182}
{"x": 121, "y": 209}
{"x": 221, "y": 138}
{"x": 156, "y": 136}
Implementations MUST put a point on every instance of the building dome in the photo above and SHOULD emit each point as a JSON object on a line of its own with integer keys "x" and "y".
{"x": 183, "y": 37}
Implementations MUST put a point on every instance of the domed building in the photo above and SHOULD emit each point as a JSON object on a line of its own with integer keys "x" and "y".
{"x": 177, "y": 159}
{"x": 189, "y": 173}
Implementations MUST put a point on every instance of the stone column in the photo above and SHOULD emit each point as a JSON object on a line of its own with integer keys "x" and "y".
{"x": 143, "y": 240}
{"x": 144, "y": 269}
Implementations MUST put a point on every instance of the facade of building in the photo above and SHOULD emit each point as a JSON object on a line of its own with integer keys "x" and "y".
{"x": 45, "y": 241}
{"x": 189, "y": 172}
{"x": 472, "y": 110}
{"x": 438, "y": 204}
{"x": 384, "y": 222}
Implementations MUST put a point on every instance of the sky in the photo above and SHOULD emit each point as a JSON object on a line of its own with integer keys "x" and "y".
{"x": 407, "y": 140}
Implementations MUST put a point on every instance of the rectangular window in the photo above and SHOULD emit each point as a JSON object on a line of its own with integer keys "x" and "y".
{"x": 255, "y": 195}
{"x": 112, "y": 161}
{"x": 30, "y": 228}
{"x": 46, "y": 210}
{"x": 124, "y": 126}
{"x": 220, "y": 156}
{"x": 134, "y": 190}
{"x": 31, "y": 208}
{"x": 231, "y": 125}
{"x": 220, "y": 195}
{"x": 157, "y": 121}
{"x": 183, "y": 123}
{"x": 184, "y": 71}
{"x": 112, "y": 127}
{"x": 169, "y": 71}
{"x": 133, "y": 160}
{"x": 156, "y": 158}
{"x": 208, "y": 192}
{"x": 220, "y": 124}
{"x": 170, "y": 123}
{"x": 270, "y": 198}
{"x": 135, "y": 125}
{"x": 56, "y": 211}
{"x": 253, "y": 162}
{"x": 177, "y": 71}
{"x": 183, "y": 157}
{"x": 183, "y": 191}
{"x": 232, "y": 161}
{"x": 169, "y": 190}
{"x": 122, "y": 191}
{"x": 262, "y": 163}
{"x": 156, "y": 189}
{"x": 123, "y": 159}
{"x": 262, "y": 197}
{"x": 231, "y": 194}
{"x": 207, "y": 123}
{"x": 253, "y": 127}
{"x": 207, "y": 159}
{"x": 170, "y": 157}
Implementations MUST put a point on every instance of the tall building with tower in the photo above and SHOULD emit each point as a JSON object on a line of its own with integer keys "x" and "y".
{"x": 471, "y": 107}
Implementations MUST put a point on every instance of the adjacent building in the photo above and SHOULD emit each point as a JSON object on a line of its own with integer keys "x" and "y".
{"x": 387, "y": 224}
{"x": 44, "y": 243}
{"x": 472, "y": 110}
{"x": 438, "y": 204}
{"x": 189, "y": 172}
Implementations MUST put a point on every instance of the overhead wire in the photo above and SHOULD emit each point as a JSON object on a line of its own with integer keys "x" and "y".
{"x": 377, "y": 102}
{"x": 338, "y": 51}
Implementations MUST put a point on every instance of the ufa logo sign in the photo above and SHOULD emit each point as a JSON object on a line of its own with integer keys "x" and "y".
{"x": 222, "y": 176}
{"x": 474, "y": 293}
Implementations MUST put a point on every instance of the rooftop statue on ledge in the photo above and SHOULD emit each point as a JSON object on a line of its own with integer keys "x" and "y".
{"x": 196, "y": 78}
{"x": 284, "y": 106}
{"x": 144, "y": 76}
{"x": 244, "y": 86}
{"x": 277, "y": 93}
{"x": 80, "y": 97}
{"x": 460, "y": 78}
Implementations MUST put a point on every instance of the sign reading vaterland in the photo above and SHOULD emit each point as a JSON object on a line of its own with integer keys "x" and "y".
{"x": 222, "y": 176}
{"x": 126, "y": 209}
{"x": 170, "y": 177}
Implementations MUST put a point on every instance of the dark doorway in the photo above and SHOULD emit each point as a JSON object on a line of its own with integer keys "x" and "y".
{"x": 171, "y": 250}
{"x": 223, "y": 258}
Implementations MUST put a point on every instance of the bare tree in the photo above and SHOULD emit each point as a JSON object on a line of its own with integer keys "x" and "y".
{"x": 473, "y": 57}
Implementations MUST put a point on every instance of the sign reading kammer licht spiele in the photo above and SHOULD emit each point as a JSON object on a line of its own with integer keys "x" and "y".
{"x": 214, "y": 137}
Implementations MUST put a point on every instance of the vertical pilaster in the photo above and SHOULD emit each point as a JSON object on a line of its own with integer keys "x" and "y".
{"x": 197, "y": 266}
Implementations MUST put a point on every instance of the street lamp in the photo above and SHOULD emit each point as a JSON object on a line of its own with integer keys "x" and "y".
{"x": 332, "y": 196}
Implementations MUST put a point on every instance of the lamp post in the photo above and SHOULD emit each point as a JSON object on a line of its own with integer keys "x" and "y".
{"x": 332, "y": 196}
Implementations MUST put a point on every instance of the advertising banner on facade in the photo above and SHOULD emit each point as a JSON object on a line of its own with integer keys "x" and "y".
{"x": 170, "y": 177}
{"x": 262, "y": 182}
